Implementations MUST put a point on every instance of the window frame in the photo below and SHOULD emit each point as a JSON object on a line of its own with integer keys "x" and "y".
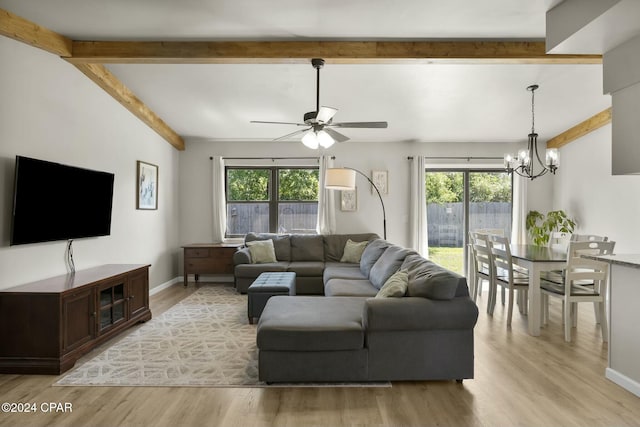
{"x": 273, "y": 193}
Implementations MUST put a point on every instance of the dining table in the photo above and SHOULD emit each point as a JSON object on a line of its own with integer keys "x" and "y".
{"x": 536, "y": 259}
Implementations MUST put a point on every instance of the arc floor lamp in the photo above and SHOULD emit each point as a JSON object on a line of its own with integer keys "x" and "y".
{"x": 345, "y": 179}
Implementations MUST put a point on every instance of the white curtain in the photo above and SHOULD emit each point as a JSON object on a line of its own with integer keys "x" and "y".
{"x": 219, "y": 214}
{"x": 326, "y": 223}
{"x": 518, "y": 224}
{"x": 418, "y": 210}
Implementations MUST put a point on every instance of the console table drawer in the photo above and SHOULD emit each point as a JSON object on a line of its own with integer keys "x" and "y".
{"x": 209, "y": 265}
{"x": 196, "y": 253}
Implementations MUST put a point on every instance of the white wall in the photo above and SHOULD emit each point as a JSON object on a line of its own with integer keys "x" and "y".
{"x": 602, "y": 204}
{"x": 49, "y": 110}
{"x": 195, "y": 177}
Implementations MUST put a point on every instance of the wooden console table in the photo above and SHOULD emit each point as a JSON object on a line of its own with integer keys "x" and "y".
{"x": 46, "y": 326}
{"x": 208, "y": 258}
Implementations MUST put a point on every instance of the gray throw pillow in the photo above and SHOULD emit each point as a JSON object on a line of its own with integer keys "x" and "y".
{"x": 395, "y": 286}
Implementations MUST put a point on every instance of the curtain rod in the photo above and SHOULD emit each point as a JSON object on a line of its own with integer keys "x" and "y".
{"x": 467, "y": 158}
{"x": 267, "y": 158}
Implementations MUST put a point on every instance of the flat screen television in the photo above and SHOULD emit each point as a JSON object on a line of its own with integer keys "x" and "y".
{"x": 53, "y": 201}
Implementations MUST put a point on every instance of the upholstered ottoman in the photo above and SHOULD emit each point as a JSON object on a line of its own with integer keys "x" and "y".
{"x": 264, "y": 287}
{"x": 312, "y": 339}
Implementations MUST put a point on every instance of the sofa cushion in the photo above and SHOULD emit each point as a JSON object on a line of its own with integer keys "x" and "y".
{"x": 429, "y": 280}
{"x": 281, "y": 243}
{"x": 262, "y": 251}
{"x": 334, "y": 244}
{"x": 307, "y": 247}
{"x": 298, "y": 323}
{"x": 349, "y": 288}
{"x": 371, "y": 254}
{"x": 353, "y": 251}
{"x": 307, "y": 268}
{"x": 388, "y": 263}
{"x": 395, "y": 286}
{"x": 341, "y": 270}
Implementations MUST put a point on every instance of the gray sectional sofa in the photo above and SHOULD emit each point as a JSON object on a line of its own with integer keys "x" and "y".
{"x": 348, "y": 334}
{"x": 305, "y": 254}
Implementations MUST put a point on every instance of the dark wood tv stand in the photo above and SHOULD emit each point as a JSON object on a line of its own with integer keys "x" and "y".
{"x": 46, "y": 326}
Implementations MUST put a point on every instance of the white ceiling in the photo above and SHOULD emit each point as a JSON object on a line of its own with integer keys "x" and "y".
{"x": 421, "y": 102}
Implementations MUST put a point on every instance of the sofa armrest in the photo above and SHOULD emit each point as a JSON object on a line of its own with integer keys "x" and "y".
{"x": 419, "y": 314}
{"x": 242, "y": 256}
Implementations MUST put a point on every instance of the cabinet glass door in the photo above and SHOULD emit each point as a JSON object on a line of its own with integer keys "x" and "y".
{"x": 112, "y": 309}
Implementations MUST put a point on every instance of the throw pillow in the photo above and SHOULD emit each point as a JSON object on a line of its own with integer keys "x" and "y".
{"x": 395, "y": 286}
{"x": 353, "y": 251}
{"x": 262, "y": 251}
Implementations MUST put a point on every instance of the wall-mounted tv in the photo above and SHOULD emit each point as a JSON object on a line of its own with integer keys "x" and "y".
{"x": 53, "y": 201}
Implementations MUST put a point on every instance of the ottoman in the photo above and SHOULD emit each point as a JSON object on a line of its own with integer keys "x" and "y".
{"x": 312, "y": 339}
{"x": 264, "y": 287}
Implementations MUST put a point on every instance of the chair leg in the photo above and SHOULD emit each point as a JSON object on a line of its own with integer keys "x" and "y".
{"x": 603, "y": 322}
{"x": 510, "y": 309}
{"x": 596, "y": 311}
{"x": 574, "y": 314}
{"x": 503, "y": 293}
{"x": 567, "y": 321}
{"x": 491, "y": 301}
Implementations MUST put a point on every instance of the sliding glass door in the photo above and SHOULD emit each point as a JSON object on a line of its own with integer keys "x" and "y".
{"x": 462, "y": 200}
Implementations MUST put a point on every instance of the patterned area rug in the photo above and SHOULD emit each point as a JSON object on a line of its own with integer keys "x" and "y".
{"x": 204, "y": 340}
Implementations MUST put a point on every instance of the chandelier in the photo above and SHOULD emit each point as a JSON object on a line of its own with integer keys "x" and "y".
{"x": 523, "y": 163}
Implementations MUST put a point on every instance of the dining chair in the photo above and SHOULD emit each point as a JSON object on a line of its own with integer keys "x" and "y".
{"x": 584, "y": 280}
{"x": 506, "y": 275}
{"x": 481, "y": 262}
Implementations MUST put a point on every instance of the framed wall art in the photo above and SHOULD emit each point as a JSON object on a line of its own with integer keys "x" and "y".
{"x": 381, "y": 180}
{"x": 349, "y": 200}
{"x": 147, "y": 196}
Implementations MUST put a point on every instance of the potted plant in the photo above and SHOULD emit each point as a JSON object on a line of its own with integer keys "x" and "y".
{"x": 540, "y": 226}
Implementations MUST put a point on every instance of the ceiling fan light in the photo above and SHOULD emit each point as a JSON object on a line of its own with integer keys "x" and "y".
{"x": 310, "y": 140}
{"x": 324, "y": 139}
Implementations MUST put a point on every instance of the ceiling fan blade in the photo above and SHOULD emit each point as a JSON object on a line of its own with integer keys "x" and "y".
{"x": 325, "y": 114}
{"x": 380, "y": 125}
{"x": 279, "y": 123}
{"x": 336, "y": 135}
{"x": 291, "y": 134}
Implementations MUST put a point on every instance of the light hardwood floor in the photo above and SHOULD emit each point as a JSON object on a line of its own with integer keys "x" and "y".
{"x": 519, "y": 381}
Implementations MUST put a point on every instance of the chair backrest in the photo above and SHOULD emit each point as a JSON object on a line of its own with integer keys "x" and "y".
{"x": 480, "y": 251}
{"x": 588, "y": 238}
{"x": 580, "y": 268}
{"x": 501, "y": 254}
{"x": 559, "y": 240}
{"x": 496, "y": 231}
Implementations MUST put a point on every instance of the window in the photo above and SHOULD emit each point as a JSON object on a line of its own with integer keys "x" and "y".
{"x": 462, "y": 200}
{"x": 271, "y": 199}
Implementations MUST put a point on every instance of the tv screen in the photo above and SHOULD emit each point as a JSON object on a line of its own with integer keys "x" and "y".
{"x": 59, "y": 202}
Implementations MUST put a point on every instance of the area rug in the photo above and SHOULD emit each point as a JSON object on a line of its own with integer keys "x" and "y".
{"x": 203, "y": 341}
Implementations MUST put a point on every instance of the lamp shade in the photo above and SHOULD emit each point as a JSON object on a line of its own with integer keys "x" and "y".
{"x": 310, "y": 139}
{"x": 340, "y": 179}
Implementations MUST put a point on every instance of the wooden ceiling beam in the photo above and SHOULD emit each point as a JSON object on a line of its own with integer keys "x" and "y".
{"x": 581, "y": 129}
{"x": 114, "y": 87}
{"x": 357, "y": 52}
{"x": 20, "y": 29}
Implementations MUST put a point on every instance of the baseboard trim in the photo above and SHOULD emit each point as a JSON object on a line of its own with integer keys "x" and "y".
{"x": 623, "y": 381}
{"x": 165, "y": 285}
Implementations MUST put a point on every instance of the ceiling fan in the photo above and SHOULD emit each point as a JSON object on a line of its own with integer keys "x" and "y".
{"x": 318, "y": 124}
